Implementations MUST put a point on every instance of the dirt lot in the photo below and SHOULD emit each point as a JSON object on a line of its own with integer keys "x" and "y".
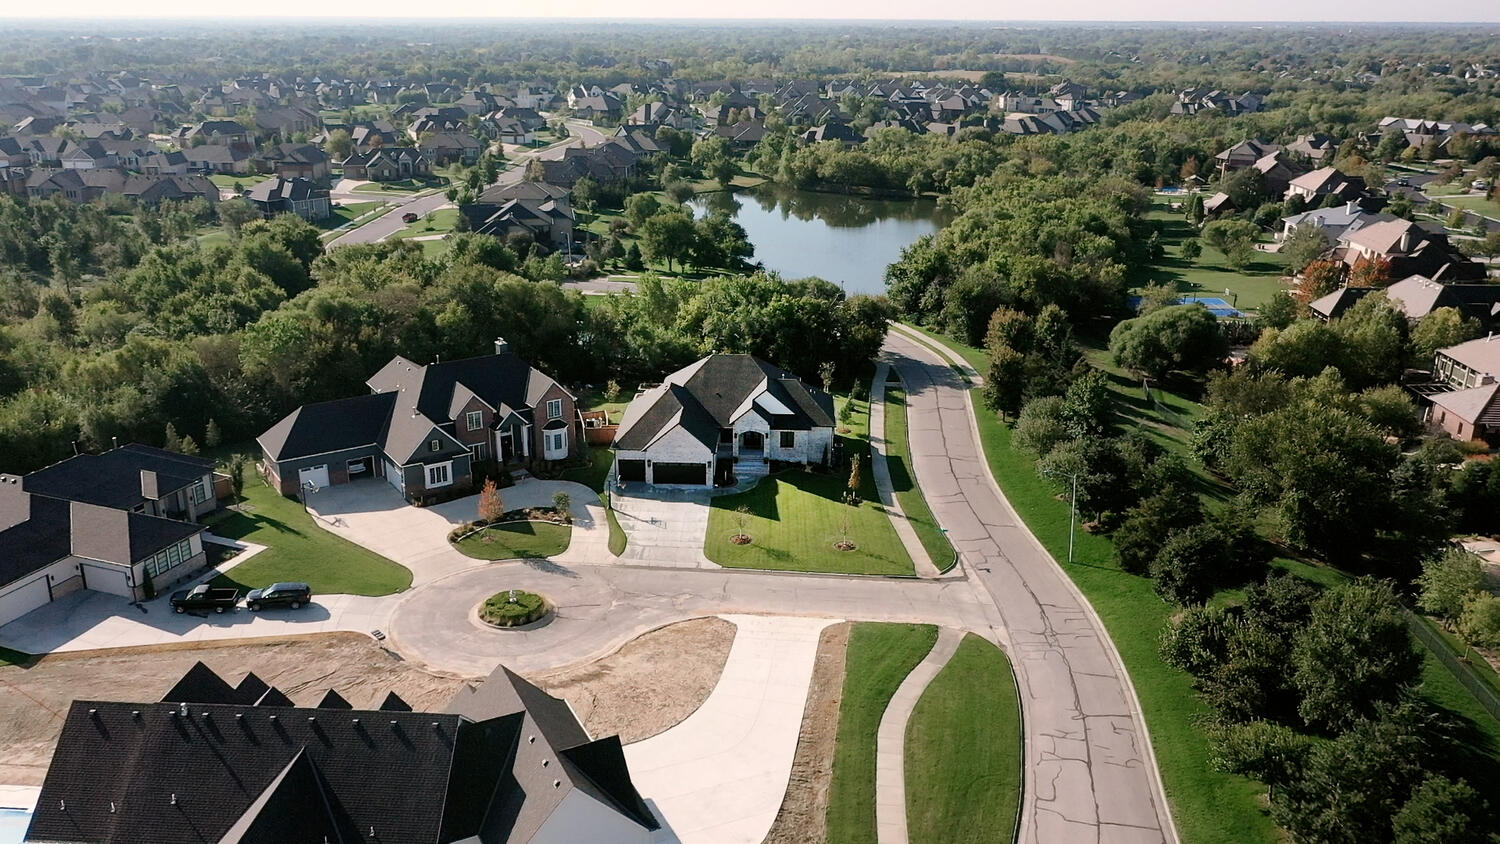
{"x": 803, "y": 815}
{"x": 651, "y": 684}
{"x": 624, "y": 692}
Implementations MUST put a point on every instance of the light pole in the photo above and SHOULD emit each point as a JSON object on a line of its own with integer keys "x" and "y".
{"x": 1072, "y": 506}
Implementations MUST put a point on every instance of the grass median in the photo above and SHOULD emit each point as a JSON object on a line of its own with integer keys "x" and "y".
{"x": 878, "y": 659}
{"x": 963, "y": 751}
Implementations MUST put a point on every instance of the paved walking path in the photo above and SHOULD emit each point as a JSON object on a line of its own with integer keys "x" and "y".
{"x": 720, "y": 776}
{"x": 881, "y": 470}
{"x": 1090, "y": 770}
{"x": 890, "y": 744}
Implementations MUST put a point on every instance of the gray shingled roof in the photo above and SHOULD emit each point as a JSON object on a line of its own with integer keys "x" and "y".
{"x": 113, "y": 479}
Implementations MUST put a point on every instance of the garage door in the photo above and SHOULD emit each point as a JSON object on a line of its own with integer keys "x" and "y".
{"x": 20, "y": 601}
{"x": 317, "y": 476}
{"x": 632, "y": 470}
{"x": 678, "y": 473}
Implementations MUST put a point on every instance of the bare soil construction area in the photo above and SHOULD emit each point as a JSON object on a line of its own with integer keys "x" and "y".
{"x": 647, "y": 686}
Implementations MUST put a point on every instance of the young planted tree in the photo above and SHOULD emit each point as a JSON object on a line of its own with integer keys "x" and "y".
{"x": 491, "y": 506}
{"x": 741, "y": 524}
{"x": 563, "y": 504}
{"x": 852, "y": 495}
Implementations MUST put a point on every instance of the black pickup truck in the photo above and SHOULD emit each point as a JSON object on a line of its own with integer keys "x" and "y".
{"x": 202, "y": 597}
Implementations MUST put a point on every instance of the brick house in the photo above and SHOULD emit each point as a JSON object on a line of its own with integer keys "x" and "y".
{"x": 423, "y": 428}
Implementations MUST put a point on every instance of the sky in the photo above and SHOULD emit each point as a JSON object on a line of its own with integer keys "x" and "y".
{"x": 1364, "y": 11}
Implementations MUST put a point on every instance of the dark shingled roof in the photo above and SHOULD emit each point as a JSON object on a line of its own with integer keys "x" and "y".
{"x": 113, "y": 479}
{"x": 193, "y": 769}
{"x": 708, "y": 393}
{"x": 149, "y": 534}
{"x": 329, "y": 426}
{"x": 37, "y": 542}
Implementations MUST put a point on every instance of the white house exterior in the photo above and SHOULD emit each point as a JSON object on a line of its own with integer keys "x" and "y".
{"x": 721, "y": 417}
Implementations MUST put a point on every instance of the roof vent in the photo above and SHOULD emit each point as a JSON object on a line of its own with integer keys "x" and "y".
{"x": 174, "y": 798}
{"x": 557, "y": 783}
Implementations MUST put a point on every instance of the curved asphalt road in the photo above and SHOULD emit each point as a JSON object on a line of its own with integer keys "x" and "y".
{"x": 1090, "y": 772}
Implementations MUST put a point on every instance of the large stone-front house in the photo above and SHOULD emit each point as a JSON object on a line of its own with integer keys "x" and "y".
{"x": 423, "y": 428}
{"x": 110, "y": 522}
{"x": 723, "y": 417}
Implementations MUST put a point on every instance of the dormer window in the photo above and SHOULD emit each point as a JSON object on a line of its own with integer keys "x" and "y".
{"x": 435, "y": 445}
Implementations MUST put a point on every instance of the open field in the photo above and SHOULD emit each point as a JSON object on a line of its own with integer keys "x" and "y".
{"x": 879, "y": 658}
{"x": 298, "y": 549}
{"x": 1210, "y": 273}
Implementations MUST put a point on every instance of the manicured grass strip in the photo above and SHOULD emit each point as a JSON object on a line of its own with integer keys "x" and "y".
{"x": 908, "y": 493}
{"x": 596, "y": 473}
{"x": 794, "y": 520}
{"x": 878, "y": 660}
{"x": 517, "y": 541}
{"x": 441, "y": 221}
{"x": 299, "y": 550}
{"x": 617, "y": 538}
{"x": 963, "y": 751}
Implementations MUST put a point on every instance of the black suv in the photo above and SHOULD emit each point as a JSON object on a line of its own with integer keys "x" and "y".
{"x": 292, "y": 595}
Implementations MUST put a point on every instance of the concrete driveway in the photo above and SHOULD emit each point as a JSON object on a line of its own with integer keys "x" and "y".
{"x": 87, "y": 620}
{"x": 664, "y": 527}
{"x": 372, "y": 514}
{"x": 720, "y": 776}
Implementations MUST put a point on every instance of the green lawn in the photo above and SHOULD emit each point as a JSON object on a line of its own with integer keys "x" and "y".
{"x": 877, "y": 661}
{"x": 347, "y": 213}
{"x": 596, "y": 473}
{"x": 227, "y": 181}
{"x": 214, "y": 237}
{"x": 517, "y": 541}
{"x": 617, "y": 538}
{"x": 299, "y": 550}
{"x": 1475, "y": 202}
{"x": 908, "y": 494}
{"x": 1210, "y": 274}
{"x": 441, "y": 221}
{"x": 964, "y": 751}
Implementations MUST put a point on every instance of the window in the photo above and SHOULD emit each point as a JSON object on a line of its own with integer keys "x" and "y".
{"x": 475, "y": 418}
{"x": 554, "y": 408}
{"x": 439, "y": 474}
{"x": 788, "y": 439}
{"x": 556, "y": 444}
{"x": 435, "y": 445}
{"x": 481, "y": 451}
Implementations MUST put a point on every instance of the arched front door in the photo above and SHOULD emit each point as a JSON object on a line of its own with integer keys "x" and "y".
{"x": 752, "y": 441}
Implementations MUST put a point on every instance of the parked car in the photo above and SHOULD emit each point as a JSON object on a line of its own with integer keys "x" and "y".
{"x": 203, "y": 597}
{"x": 409, "y": 217}
{"x": 292, "y": 595}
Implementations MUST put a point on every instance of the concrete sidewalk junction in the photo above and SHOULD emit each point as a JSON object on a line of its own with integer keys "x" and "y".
{"x": 720, "y": 776}
{"x": 880, "y": 469}
{"x": 1090, "y": 771}
{"x": 890, "y": 743}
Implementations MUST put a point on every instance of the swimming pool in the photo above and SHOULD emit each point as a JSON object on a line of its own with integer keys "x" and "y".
{"x": 13, "y": 823}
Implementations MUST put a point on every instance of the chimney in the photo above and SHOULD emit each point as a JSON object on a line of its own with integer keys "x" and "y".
{"x": 502, "y": 347}
{"x": 1405, "y": 244}
{"x": 15, "y": 502}
{"x": 1351, "y": 207}
{"x": 149, "y": 488}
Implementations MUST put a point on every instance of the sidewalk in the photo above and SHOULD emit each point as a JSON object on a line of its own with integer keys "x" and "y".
{"x": 890, "y": 747}
{"x": 881, "y": 471}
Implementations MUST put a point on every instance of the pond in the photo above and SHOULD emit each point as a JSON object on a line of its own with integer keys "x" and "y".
{"x": 848, "y": 240}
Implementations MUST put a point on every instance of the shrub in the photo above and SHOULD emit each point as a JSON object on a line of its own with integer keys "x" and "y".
{"x": 512, "y": 608}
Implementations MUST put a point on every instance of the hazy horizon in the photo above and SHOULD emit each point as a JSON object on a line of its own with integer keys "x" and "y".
{"x": 1269, "y": 12}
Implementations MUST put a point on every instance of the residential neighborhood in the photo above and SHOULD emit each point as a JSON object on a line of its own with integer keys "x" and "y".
{"x": 737, "y": 430}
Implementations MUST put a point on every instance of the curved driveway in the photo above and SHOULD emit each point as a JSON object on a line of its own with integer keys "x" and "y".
{"x": 1090, "y": 772}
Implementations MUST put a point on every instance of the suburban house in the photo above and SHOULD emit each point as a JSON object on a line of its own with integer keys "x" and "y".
{"x": 107, "y": 522}
{"x": 1324, "y": 182}
{"x": 295, "y": 161}
{"x": 504, "y": 763}
{"x": 1472, "y": 414}
{"x": 721, "y": 417}
{"x": 1418, "y": 296}
{"x": 387, "y": 164}
{"x": 1244, "y": 154}
{"x": 231, "y": 159}
{"x": 445, "y": 148}
{"x": 1316, "y": 147}
{"x": 1410, "y": 249}
{"x": 423, "y": 427}
{"x": 1332, "y": 222}
{"x": 1468, "y": 365}
{"x": 535, "y": 208}
{"x": 299, "y": 196}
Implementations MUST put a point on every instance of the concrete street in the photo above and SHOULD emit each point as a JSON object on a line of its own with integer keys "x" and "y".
{"x": 389, "y": 223}
{"x": 880, "y": 470}
{"x": 719, "y": 777}
{"x": 600, "y": 608}
{"x": 1090, "y": 772}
